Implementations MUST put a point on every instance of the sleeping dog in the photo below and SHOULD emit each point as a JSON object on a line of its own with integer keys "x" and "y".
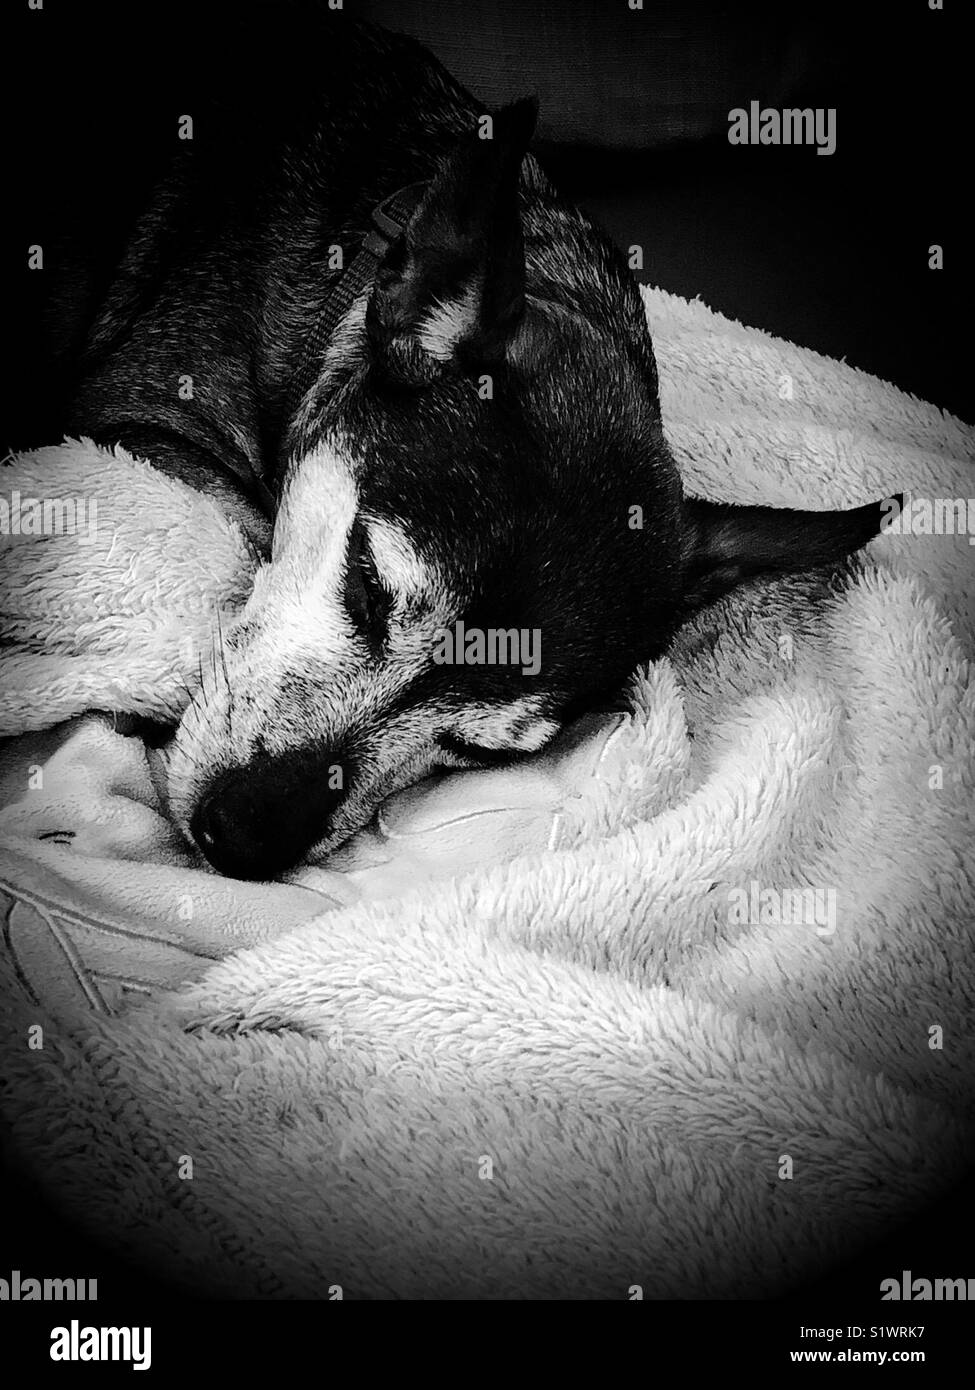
{"x": 356, "y": 298}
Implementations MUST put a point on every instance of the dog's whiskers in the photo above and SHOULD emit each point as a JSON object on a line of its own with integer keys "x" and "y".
{"x": 226, "y": 677}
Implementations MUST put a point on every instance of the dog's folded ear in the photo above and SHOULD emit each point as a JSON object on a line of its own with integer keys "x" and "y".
{"x": 456, "y": 282}
{"x": 724, "y": 545}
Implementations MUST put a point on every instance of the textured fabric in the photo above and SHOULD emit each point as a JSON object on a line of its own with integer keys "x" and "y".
{"x": 623, "y": 1059}
{"x": 107, "y": 602}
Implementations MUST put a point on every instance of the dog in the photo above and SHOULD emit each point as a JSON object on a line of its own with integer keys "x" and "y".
{"x": 356, "y": 298}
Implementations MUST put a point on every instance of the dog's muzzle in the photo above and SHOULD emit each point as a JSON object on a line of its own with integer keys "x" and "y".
{"x": 259, "y": 820}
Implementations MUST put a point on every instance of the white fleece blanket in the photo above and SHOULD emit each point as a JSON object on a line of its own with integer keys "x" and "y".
{"x": 685, "y": 1008}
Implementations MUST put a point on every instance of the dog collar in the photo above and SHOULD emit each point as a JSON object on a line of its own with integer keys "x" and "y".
{"x": 387, "y": 224}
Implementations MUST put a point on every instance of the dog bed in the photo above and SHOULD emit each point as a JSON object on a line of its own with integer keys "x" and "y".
{"x": 681, "y": 1009}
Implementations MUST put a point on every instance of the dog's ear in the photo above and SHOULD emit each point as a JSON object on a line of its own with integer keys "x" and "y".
{"x": 724, "y": 545}
{"x": 456, "y": 281}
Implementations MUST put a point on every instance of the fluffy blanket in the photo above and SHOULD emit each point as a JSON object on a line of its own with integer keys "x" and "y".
{"x": 682, "y": 1009}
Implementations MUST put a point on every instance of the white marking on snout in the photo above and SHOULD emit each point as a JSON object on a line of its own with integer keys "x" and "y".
{"x": 301, "y": 674}
{"x": 296, "y": 609}
{"x": 318, "y": 507}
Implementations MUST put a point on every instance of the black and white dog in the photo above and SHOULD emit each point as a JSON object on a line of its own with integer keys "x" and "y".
{"x": 451, "y": 403}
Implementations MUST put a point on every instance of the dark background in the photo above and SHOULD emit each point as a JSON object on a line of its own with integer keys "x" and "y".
{"x": 831, "y": 253}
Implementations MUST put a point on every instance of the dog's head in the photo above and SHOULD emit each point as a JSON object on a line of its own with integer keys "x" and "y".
{"x": 481, "y": 530}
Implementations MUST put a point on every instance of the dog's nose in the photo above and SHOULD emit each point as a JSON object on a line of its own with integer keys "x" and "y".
{"x": 259, "y": 820}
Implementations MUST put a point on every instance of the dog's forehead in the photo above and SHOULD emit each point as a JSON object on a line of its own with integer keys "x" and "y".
{"x": 471, "y": 455}
{"x": 323, "y": 496}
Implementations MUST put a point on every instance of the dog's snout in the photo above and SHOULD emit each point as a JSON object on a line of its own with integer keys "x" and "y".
{"x": 258, "y": 821}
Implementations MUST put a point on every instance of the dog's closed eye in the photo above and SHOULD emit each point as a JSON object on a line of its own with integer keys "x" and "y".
{"x": 367, "y": 600}
{"x": 460, "y": 747}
